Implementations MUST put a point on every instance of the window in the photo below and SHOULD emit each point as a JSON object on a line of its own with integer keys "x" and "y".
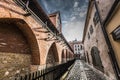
{"x": 81, "y": 47}
{"x": 116, "y": 33}
{"x": 75, "y": 46}
{"x": 96, "y": 18}
{"x": 88, "y": 36}
{"x": 91, "y": 29}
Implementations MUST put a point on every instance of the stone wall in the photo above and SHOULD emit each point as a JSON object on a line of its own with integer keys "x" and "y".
{"x": 104, "y": 7}
{"x": 13, "y": 64}
{"x": 97, "y": 39}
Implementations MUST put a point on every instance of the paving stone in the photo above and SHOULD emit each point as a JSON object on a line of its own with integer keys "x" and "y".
{"x": 81, "y": 71}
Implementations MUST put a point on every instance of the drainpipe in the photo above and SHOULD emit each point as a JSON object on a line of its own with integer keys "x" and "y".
{"x": 27, "y": 3}
{"x": 111, "y": 51}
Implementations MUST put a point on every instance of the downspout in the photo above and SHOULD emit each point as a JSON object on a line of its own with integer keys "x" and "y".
{"x": 111, "y": 51}
{"x": 27, "y": 4}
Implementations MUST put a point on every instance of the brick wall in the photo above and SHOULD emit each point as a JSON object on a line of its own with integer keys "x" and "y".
{"x": 15, "y": 54}
{"x": 13, "y": 40}
{"x": 11, "y": 65}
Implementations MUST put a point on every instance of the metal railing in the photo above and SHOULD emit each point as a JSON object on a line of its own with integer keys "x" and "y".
{"x": 52, "y": 73}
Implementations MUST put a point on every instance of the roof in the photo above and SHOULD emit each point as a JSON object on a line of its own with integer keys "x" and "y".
{"x": 54, "y": 14}
{"x": 75, "y": 42}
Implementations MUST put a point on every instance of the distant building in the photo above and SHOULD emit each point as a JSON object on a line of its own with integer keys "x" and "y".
{"x": 56, "y": 20}
{"x": 78, "y": 48}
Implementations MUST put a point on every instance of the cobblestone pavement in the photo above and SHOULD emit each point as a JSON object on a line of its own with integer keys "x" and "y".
{"x": 82, "y": 71}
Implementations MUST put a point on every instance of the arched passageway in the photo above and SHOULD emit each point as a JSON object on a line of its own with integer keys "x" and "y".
{"x": 18, "y": 46}
{"x": 52, "y": 55}
{"x": 96, "y": 59}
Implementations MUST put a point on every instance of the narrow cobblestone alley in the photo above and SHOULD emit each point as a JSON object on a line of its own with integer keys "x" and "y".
{"x": 83, "y": 71}
{"x": 59, "y": 39}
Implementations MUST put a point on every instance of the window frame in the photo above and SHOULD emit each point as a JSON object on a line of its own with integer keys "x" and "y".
{"x": 95, "y": 18}
{"x": 116, "y": 33}
{"x": 91, "y": 29}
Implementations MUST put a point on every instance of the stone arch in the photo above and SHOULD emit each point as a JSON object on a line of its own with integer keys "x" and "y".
{"x": 96, "y": 58}
{"x": 52, "y": 54}
{"x": 29, "y": 37}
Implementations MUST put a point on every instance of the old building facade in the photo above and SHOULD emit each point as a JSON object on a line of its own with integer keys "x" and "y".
{"x": 111, "y": 27}
{"x": 96, "y": 48}
{"x": 110, "y": 19}
{"x": 27, "y": 43}
{"x": 78, "y": 49}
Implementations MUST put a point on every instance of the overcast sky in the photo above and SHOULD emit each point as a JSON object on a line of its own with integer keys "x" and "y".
{"x": 73, "y": 13}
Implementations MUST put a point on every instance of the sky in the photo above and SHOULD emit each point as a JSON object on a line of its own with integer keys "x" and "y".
{"x": 73, "y": 14}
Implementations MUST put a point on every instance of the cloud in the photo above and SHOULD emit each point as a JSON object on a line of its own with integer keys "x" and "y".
{"x": 73, "y": 30}
{"x": 83, "y": 11}
{"x": 82, "y": 14}
{"x": 46, "y": 5}
{"x": 86, "y": 1}
{"x": 76, "y": 4}
{"x": 64, "y": 22}
{"x": 84, "y": 6}
{"x": 73, "y": 18}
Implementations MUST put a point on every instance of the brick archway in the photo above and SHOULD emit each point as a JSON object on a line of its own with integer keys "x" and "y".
{"x": 52, "y": 55}
{"x": 28, "y": 35}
